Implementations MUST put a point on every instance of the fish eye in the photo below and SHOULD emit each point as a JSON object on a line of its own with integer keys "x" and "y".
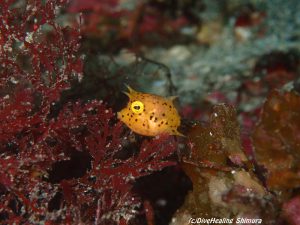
{"x": 137, "y": 107}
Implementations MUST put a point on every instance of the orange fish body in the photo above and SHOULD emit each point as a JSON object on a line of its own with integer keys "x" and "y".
{"x": 149, "y": 114}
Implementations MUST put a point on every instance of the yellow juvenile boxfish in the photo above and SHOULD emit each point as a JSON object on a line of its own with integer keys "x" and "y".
{"x": 149, "y": 114}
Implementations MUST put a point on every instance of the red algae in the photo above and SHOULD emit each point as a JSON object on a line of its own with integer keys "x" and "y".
{"x": 62, "y": 163}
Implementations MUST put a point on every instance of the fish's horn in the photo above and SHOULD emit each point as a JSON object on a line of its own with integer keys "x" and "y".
{"x": 129, "y": 88}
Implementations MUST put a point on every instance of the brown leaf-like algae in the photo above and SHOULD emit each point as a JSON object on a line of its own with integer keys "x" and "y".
{"x": 224, "y": 184}
{"x": 277, "y": 142}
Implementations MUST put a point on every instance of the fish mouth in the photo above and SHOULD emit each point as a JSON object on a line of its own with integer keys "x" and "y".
{"x": 118, "y": 115}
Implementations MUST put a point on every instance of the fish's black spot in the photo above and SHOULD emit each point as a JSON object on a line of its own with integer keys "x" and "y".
{"x": 136, "y": 120}
{"x": 155, "y": 119}
{"x": 158, "y": 125}
{"x": 163, "y": 114}
{"x": 140, "y": 114}
{"x": 143, "y": 124}
{"x": 165, "y": 103}
{"x": 131, "y": 115}
{"x": 127, "y": 114}
{"x": 151, "y": 117}
{"x": 162, "y": 122}
{"x": 122, "y": 116}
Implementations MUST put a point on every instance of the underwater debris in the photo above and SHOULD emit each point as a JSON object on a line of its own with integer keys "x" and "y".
{"x": 277, "y": 68}
{"x": 116, "y": 24}
{"x": 247, "y": 20}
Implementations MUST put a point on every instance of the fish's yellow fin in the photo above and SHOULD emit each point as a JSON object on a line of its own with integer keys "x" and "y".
{"x": 180, "y": 134}
{"x": 176, "y": 132}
